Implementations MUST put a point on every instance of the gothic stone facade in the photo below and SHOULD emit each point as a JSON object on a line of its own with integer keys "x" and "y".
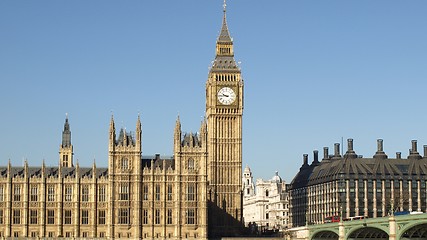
{"x": 195, "y": 194}
{"x": 351, "y": 185}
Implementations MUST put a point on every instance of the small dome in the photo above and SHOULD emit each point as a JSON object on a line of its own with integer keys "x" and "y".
{"x": 276, "y": 178}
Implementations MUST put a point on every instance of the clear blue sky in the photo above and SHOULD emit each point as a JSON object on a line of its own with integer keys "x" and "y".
{"x": 314, "y": 71}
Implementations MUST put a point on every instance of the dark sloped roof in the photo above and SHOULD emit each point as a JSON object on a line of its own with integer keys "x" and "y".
{"x": 190, "y": 140}
{"x": 301, "y": 179}
{"x": 362, "y": 168}
{"x": 224, "y": 35}
{"x": 147, "y": 161}
{"x": 225, "y": 63}
{"x": 54, "y": 172}
{"x": 159, "y": 162}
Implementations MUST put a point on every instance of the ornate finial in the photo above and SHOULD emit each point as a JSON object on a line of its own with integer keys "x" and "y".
{"x": 225, "y": 5}
{"x": 66, "y": 115}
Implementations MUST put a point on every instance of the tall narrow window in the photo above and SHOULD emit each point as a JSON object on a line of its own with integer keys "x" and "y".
{"x": 85, "y": 194}
{"x": 157, "y": 192}
{"x": 101, "y": 217}
{"x": 123, "y": 216}
{"x": 85, "y": 217}
{"x": 33, "y": 217}
{"x": 145, "y": 216}
{"x": 191, "y": 191}
{"x": 101, "y": 193}
{"x": 145, "y": 192}
{"x": 1, "y": 193}
{"x": 50, "y": 216}
{"x": 169, "y": 192}
{"x": 67, "y": 217}
{"x": 16, "y": 216}
{"x": 17, "y": 193}
{"x": 191, "y": 216}
{"x": 50, "y": 193}
{"x": 169, "y": 217}
{"x": 125, "y": 163}
{"x": 33, "y": 193}
{"x": 68, "y": 193}
{"x": 190, "y": 164}
{"x": 124, "y": 191}
{"x": 157, "y": 216}
{"x": 65, "y": 160}
{"x": 1, "y": 216}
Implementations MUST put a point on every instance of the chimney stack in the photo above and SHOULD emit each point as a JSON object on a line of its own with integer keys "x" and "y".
{"x": 337, "y": 150}
{"x": 414, "y": 147}
{"x": 413, "y": 153}
{"x": 398, "y": 155}
{"x": 380, "y": 146}
{"x": 325, "y": 153}
{"x": 425, "y": 150}
{"x": 350, "y": 145}
{"x": 350, "y": 151}
{"x": 380, "y": 150}
{"x": 316, "y": 156}
{"x": 305, "y": 157}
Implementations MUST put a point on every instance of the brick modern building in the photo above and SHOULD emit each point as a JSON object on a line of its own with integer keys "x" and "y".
{"x": 352, "y": 185}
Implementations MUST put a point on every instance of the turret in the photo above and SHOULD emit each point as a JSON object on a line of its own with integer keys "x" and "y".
{"x": 94, "y": 170}
{"x": 112, "y": 135}
{"x": 66, "y": 134}
{"x": 248, "y": 185}
{"x": 26, "y": 168}
{"x": 177, "y": 136}
{"x": 77, "y": 175}
{"x": 43, "y": 169}
{"x": 204, "y": 134}
{"x": 66, "y": 148}
{"x": 138, "y": 134}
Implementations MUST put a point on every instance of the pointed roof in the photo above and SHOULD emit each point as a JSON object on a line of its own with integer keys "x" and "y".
{"x": 112, "y": 125}
{"x": 224, "y": 35}
{"x": 66, "y": 134}
{"x": 224, "y": 59}
{"x": 138, "y": 123}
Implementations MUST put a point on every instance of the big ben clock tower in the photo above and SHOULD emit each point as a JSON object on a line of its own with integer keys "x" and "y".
{"x": 224, "y": 109}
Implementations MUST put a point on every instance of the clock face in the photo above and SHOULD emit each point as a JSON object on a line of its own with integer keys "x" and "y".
{"x": 226, "y": 96}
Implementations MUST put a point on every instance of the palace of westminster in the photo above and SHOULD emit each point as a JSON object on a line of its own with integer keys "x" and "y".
{"x": 196, "y": 194}
{"x": 199, "y": 192}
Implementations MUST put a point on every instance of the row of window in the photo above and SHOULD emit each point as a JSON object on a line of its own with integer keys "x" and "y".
{"x": 225, "y": 77}
{"x": 52, "y": 234}
{"x": 100, "y": 235}
{"x": 123, "y": 216}
{"x": 68, "y": 193}
{"x": 85, "y": 193}
{"x": 34, "y": 216}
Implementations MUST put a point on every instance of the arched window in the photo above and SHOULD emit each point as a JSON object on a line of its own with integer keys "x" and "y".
{"x": 190, "y": 165}
{"x": 266, "y": 193}
{"x": 125, "y": 163}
